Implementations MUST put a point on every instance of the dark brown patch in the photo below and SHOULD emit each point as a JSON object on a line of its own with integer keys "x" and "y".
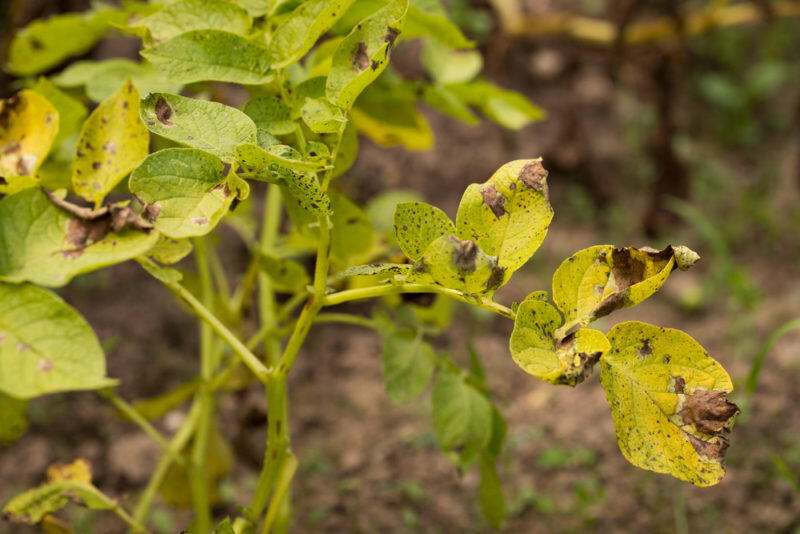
{"x": 645, "y": 349}
{"x": 164, "y": 112}
{"x": 391, "y": 35}
{"x": 708, "y": 410}
{"x": 496, "y": 278}
{"x": 464, "y": 254}
{"x": 83, "y": 232}
{"x": 97, "y": 165}
{"x": 713, "y": 450}
{"x": 24, "y": 166}
{"x": 36, "y": 44}
{"x": 534, "y": 176}
{"x": 680, "y": 385}
{"x": 494, "y": 199}
{"x": 10, "y": 107}
{"x": 361, "y": 58}
{"x": 576, "y": 372}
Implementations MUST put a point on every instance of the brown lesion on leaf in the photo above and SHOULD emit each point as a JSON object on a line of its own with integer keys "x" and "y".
{"x": 465, "y": 252}
{"x": 494, "y": 199}
{"x": 495, "y": 278}
{"x": 576, "y": 366}
{"x": 708, "y": 410}
{"x": 9, "y": 108}
{"x": 163, "y": 112}
{"x": 534, "y": 176}
{"x": 361, "y": 59}
{"x": 713, "y": 449}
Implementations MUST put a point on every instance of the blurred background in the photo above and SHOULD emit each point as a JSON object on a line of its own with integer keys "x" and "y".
{"x": 667, "y": 122}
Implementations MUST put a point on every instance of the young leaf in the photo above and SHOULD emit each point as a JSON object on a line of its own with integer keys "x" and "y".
{"x": 461, "y": 265}
{"x": 113, "y": 141}
{"x": 598, "y": 280}
{"x": 202, "y": 55}
{"x": 271, "y": 114}
{"x": 490, "y": 492}
{"x": 408, "y": 365}
{"x": 507, "y": 216}
{"x": 168, "y": 251}
{"x": 209, "y": 126}
{"x": 13, "y": 422}
{"x": 298, "y": 33}
{"x": 45, "y": 345}
{"x": 417, "y": 225}
{"x": 28, "y": 126}
{"x": 68, "y": 482}
{"x": 428, "y": 18}
{"x": 669, "y": 401}
{"x": 287, "y": 275}
{"x": 507, "y": 108}
{"x": 462, "y": 418}
{"x": 446, "y": 102}
{"x": 186, "y": 191}
{"x": 103, "y": 78}
{"x": 364, "y": 53}
{"x": 448, "y": 66}
{"x": 188, "y": 15}
{"x": 256, "y": 8}
{"x": 48, "y": 245}
{"x": 71, "y": 112}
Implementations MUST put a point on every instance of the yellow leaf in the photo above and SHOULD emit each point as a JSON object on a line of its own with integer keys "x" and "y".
{"x": 28, "y": 126}
{"x": 77, "y": 471}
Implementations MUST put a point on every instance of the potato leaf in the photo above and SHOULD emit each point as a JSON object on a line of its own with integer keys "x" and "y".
{"x": 507, "y": 108}
{"x": 188, "y": 15}
{"x": 460, "y": 265}
{"x": 71, "y": 112}
{"x": 271, "y": 114}
{"x": 28, "y": 127}
{"x": 286, "y": 274}
{"x": 408, "y": 365}
{"x": 45, "y": 345}
{"x": 103, "y": 78}
{"x": 13, "y": 420}
{"x": 669, "y": 401}
{"x": 417, "y": 225}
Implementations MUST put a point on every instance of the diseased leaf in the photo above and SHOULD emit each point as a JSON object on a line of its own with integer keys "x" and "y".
{"x": 379, "y": 269}
{"x": 202, "y": 55}
{"x": 508, "y": 215}
{"x": 48, "y": 245}
{"x": 287, "y": 275}
{"x": 298, "y": 33}
{"x": 669, "y": 401}
{"x": 68, "y": 482}
{"x": 408, "y": 365}
{"x": 103, "y": 78}
{"x": 45, "y": 345}
{"x": 462, "y": 418}
{"x": 13, "y": 422}
{"x": 537, "y": 351}
{"x": 71, "y": 112}
{"x": 364, "y": 53}
{"x": 271, "y": 114}
{"x": 113, "y": 142}
{"x": 188, "y": 15}
{"x": 209, "y": 126}
{"x": 321, "y": 116}
{"x": 598, "y": 280}
{"x": 256, "y": 8}
{"x": 460, "y": 265}
{"x": 186, "y": 191}
{"x": 283, "y": 165}
{"x": 28, "y": 127}
{"x": 417, "y": 225}
{"x": 168, "y": 250}
{"x": 507, "y": 108}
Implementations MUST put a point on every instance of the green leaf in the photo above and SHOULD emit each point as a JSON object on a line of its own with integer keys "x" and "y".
{"x": 536, "y": 349}
{"x": 460, "y": 265}
{"x": 598, "y": 280}
{"x": 348, "y": 150}
{"x": 283, "y": 164}
{"x": 408, "y": 365}
{"x": 13, "y": 422}
{"x": 66, "y": 483}
{"x": 303, "y": 27}
{"x": 224, "y": 527}
{"x": 45, "y": 345}
{"x": 48, "y": 245}
{"x": 186, "y": 191}
{"x": 209, "y": 126}
{"x": 103, "y": 78}
{"x": 169, "y": 251}
{"x": 287, "y": 275}
{"x": 10, "y": 185}
{"x": 448, "y": 66}
{"x": 462, "y": 418}
{"x": 256, "y": 8}
{"x": 417, "y": 225}
{"x": 446, "y": 102}
{"x": 427, "y": 18}
{"x": 45, "y": 43}
{"x": 202, "y": 55}
{"x": 508, "y": 215}
{"x": 490, "y": 493}
{"x": 379, "y": 269}
{"x": 188, "y": 15}
{"x": 364, "y": 53}
{"x": 321, "y": 116}
{"x": 271, "y": 114}
{"x": 352, "y": 230}
{"x": 509, "y": 109}
{"x": 390, "y": 118}
{"x": 28, "y": 127}
{"x": 113, "y": 142}
{"x": 669, "y": 401}
{"x": 71, "y": 112}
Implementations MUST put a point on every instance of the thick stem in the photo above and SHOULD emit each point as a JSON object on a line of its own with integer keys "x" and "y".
{"x": 285, "y": 476}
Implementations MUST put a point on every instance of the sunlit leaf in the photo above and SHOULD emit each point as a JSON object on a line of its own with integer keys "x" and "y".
{"x": 460, "y": 265}
{"x": 427, "y": 18}
{"x": 71, "y": 112}
{"x": 28, "y": 127}
{"x": 188, "y": 15}
{"x": 103, "y": 78}
{"x": 45, "y": 345}
{"x": 417, "y": 225}
{"x": 507, "y": 108}
{"x": 113, "y": 141}
{"x": 271, "y": 114}
{"x": 168, "y": 250}
{"x": 669, "y": 400}
{"x": 448, "y": 66}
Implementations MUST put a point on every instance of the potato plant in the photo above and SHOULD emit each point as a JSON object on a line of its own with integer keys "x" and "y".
{"x": 158, "y": 165}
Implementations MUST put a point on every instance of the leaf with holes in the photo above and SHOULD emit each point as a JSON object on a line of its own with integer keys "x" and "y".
{"x": 507, "y": 216}
{"x": 364, "y": 53}
{"x": 113, "y": 142}
{"x": 669, "y": 401}
{"x": 209, "y": 126}
{"x": 186, "y": 191}
{"x": 598, "y": 280}
{"x": 28, "y": 127}
{"x": 48, "y": 245}
{"x": 45, "y": 345}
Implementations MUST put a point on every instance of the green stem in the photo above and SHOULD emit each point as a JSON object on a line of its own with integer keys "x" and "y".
{"x": 380, "y": 291}
{"x": 133, "y": 414}
{"x": 346, "y": 318}
{"x": 266, "y": 292}
{"x": 287, "y": 472}
{"x": 247, "y": 357}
